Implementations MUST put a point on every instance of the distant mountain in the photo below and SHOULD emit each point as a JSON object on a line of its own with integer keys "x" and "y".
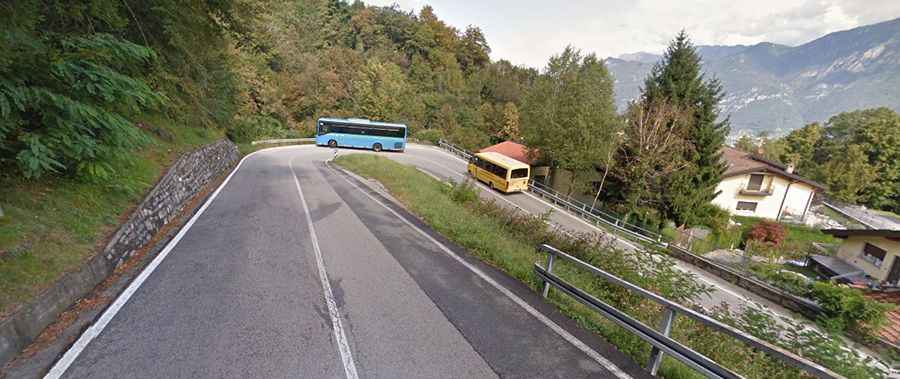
{"x": 778, "y": 88}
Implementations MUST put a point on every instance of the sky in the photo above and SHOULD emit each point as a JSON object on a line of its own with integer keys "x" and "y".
{"x": 528, "y": 32}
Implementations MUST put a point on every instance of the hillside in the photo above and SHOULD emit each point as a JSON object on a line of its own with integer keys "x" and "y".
{"x": 777, "y": 88}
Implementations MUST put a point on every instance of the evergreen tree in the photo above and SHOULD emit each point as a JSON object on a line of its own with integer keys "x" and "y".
{"x": 677, "y": 80}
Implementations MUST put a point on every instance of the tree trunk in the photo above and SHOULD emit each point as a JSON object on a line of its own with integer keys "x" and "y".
{"x": 602, "y": 180}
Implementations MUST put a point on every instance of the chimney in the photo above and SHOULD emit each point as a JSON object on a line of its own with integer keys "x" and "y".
{"x": 789, "y": 169}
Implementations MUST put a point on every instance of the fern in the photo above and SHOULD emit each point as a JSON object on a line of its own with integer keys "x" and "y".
{"x": 70, "y": 112}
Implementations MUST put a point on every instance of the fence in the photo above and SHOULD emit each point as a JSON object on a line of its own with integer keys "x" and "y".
{"x": 659, "y": 337}
{"x": 590, "y": 213}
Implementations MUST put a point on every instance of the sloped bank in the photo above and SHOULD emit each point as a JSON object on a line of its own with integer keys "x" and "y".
{"x": 186, "y": 178}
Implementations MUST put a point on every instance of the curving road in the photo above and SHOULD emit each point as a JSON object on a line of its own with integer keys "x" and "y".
{"x": 293, "y": 269}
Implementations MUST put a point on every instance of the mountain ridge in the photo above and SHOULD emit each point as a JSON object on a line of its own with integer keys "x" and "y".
{"x": 776, "y": 88}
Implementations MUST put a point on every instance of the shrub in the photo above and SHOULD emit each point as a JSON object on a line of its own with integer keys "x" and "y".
{"x": 430, "y": 135}
{"x": 254, "y": 128}
{"x": 791, "y": 282}
{"x": 807, "y": 342}
{"x": 847, "y": 309}
{"x": 464, "y": 192}
{"x": 765, "y": 231}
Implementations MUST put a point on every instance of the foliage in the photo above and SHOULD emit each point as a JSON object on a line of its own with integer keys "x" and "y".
{"x": 745, "y": 144}
{"x": 649, "y": 155}
{"x": 856, "y": 154}
{"x": 65, "y": 101}
{"x": 849, "y": 176}
{"x": 52, "y": 225}
{"x": 827, "y": 350}
{"x": 256, "y": 127}
{"x": 800, "y": 146}
{"x": 789, "y": 281}
{"x": 847, "y": 309}
{"x": 677, "y": 80}
{"x": 464, "y": 192}
{"x": 572, "y": 100}
{"x": 766, "y": 231}
{"x": 505, "y": 238}
{"x": 430, "y": 135}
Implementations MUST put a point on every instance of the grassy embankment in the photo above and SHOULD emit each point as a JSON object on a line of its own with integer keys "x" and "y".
{"x": 53, "y": 224}
{"x": 507, "y": 241}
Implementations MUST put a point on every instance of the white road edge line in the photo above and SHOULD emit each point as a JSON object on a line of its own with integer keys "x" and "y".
{"x": 570, "y": 215}
{"x": 615, "y": 370}
{"x": 339, "y": 335}
{"x": 59, "y": 368}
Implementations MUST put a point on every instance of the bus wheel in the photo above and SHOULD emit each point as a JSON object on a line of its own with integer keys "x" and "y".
{"x": 332, "y": 143}
{"x": 376, "y": 147}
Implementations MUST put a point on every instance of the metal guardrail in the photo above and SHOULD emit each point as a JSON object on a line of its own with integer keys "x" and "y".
{"x": 286, "y": 140}
{"x": 455, "y": 150}
{"x": 659, "y": 337}
{"x": 591, "y": 214}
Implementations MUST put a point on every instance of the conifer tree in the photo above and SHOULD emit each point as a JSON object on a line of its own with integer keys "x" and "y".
{"x": 678, "y": 80}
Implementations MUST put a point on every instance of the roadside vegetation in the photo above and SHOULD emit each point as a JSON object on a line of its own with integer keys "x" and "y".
{"x": 53, "y": 225}
{"x": 507, "y": 239}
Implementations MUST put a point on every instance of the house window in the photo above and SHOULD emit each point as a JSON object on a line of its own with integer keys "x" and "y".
{"x": 756, "y": 181}
{"x": 746, "y": 206}
{"x": 873, "y": 254}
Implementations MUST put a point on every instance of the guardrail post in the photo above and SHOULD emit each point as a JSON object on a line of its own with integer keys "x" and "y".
{"x": 665, "y": 327}
{"x": 549, "y": 270}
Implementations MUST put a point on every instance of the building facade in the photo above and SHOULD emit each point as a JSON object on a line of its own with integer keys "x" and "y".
{"x": 753, "y": 186}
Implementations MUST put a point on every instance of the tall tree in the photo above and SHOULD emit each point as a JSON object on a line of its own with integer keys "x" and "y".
{"x": 877, "y": 132}
{"x": 510, "y": 129}
{"x": 678, "y": 81}
{"x": 570, "y": 115}
{"x": 848, "y": 175}
{"x": 799, "y": 148}
{"x": 745, "y": 144}
{"x": 649, "y": 155}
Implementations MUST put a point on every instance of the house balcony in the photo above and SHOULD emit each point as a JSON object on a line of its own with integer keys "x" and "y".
{"x": 756, "y": 191}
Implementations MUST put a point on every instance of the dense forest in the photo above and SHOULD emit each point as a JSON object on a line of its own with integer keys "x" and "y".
{"x": 77, "y": 77}
{"x": 79, "y": 81}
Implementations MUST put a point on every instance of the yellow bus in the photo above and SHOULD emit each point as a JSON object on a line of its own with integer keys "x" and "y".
{"x": 500, "y": 172}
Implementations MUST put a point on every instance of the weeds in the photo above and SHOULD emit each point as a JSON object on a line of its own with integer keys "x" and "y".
{"x": 506, "y": 238}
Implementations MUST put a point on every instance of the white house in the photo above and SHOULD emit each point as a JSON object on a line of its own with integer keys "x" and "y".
{"x": 755, "y": 186}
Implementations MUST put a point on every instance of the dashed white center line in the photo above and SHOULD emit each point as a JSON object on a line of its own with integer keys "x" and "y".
{"x": 339, "y": 335}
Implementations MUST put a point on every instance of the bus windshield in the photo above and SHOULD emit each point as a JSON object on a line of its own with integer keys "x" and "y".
{"x": 519, "y": 173}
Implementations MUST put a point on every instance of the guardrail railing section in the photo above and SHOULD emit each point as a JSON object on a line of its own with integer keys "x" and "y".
{"x": 658, "y": 337}
{"x": 592, "y": 214}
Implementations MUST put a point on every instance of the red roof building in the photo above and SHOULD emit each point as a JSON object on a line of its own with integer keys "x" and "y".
{"x": 510, "y": 149}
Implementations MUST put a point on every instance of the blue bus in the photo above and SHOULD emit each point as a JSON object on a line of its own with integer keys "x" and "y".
{"x": 362, "y": 133}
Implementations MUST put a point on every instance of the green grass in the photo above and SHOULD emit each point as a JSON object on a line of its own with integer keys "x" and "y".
{"x": 54, "y": 224}
{"x": 508, "y": 242}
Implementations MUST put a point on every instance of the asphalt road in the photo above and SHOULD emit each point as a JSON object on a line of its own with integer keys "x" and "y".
{"x": 294, "y": 269}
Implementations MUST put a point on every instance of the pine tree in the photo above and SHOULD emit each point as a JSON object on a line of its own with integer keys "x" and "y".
{"x": 678, "y": 81}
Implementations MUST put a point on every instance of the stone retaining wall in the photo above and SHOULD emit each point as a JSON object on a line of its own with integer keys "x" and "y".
{"x": 795, "y": 303}
{"x": 184, "y": 180}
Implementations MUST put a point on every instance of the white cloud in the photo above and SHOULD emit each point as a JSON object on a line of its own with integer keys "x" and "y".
{"x": 529, "y": 32}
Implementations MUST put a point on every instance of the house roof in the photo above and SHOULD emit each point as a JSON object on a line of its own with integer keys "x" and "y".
{"x": 510, "y": 149}
{"x": 740, "y": 163}
{"x": 844, "y": 233}
{"x": 502, "y": 160}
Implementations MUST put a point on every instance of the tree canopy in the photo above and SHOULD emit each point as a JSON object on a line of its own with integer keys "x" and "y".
{"x": 569, "y": 113}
